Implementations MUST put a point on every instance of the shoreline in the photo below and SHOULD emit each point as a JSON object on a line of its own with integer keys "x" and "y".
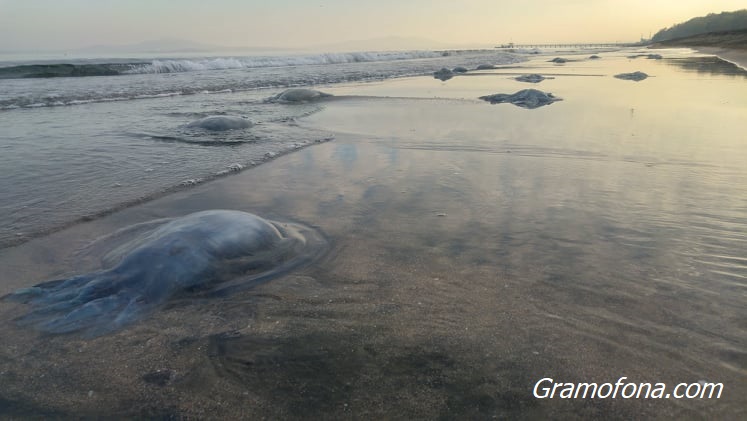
{"x": 25, "y": 237}
{"x": 732, "y": 55}
{"x": 731, "y": 52}
{"x": 474, "y": 249}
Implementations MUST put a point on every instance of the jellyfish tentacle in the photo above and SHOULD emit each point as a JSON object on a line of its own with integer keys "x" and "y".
{"x": 83, "y": 317}
{"x": 41, "y": 291}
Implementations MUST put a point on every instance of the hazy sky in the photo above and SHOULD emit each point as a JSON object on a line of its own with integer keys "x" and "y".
{"x": 69, "y": 24}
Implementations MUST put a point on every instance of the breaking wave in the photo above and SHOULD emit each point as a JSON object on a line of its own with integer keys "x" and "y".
{"x": 176, "y": 66}
{"x": 190, "y": 65}
{"x": 64, "y": 70}
{"x": 133, "y": 79}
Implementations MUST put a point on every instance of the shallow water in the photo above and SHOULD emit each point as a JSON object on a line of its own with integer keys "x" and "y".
{"x": 73, "y": 148}
{"x": 475, "y": 249}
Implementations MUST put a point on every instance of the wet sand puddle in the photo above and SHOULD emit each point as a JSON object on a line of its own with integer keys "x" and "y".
{"x": 469, "y": 257}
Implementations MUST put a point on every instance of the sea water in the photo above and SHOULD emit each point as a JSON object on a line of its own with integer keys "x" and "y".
{"x": 85, "y": 136}
{"x": 474, "y": 250}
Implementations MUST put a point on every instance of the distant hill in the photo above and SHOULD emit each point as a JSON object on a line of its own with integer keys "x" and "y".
{"x": 724, "y": 39}
{"x": 167, "y": 46}
{"x": 172, "y": 46}
{"x": 155, "y": 46}
{"x": 725, "y": 21}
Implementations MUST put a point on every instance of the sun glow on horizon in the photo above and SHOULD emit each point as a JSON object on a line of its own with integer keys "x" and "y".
{"x": 47, "y": 24}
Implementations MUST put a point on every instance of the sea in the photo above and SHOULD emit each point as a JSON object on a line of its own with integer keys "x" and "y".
{"x": 473, "y": 249}
{"x": 81, "y": 137}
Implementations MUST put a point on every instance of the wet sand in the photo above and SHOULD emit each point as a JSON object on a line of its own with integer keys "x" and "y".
{"x": 738, "y": 57}
{"x": 475, "y": 249}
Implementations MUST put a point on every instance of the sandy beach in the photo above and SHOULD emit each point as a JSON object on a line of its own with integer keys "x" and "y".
{"x": 474, "y": 250}
{"x": 738, "y": 57}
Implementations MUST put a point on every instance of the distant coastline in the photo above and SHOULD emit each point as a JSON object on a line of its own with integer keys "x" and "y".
{"x": 723, "y": 39}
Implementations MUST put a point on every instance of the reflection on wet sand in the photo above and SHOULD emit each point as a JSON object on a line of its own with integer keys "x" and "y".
{"x": 707, "y": 65}
{"x": 470, "y": 257}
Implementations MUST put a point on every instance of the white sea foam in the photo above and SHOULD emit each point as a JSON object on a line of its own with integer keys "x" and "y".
{"x": 191, "y": 182}
{"x": 148, "y": 81}
{"x": 176, "y": 66}
{"x": 235, "y": 167}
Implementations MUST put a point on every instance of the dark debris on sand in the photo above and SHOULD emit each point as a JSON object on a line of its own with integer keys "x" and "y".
{"x": 444, "y": 74}
{"x": 532, "y": 78}
{"x": 635, "y": 76}
{"x": 526, "y": 98}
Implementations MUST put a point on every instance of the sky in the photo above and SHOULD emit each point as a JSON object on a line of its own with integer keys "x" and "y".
{"x": 27, "y": 25}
